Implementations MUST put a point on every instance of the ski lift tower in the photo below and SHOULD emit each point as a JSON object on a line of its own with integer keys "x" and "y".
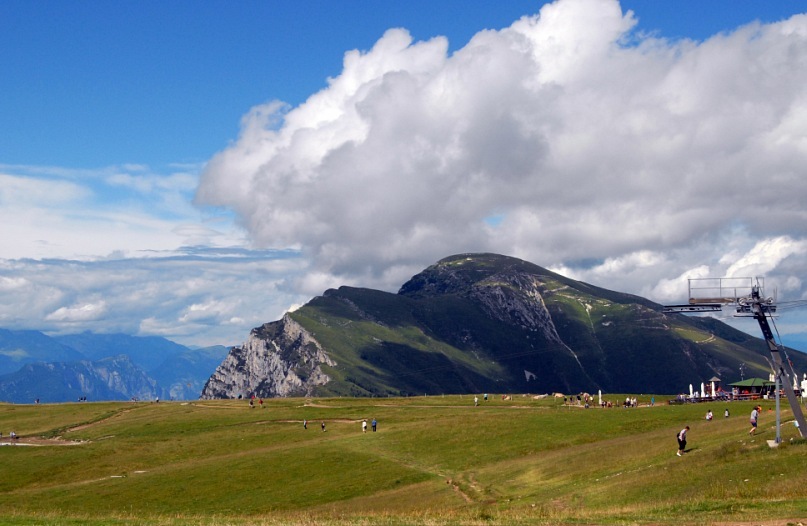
{"x": 711, "y": 294}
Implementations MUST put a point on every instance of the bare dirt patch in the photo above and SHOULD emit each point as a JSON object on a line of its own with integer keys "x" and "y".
{"x": 40, "y": 441}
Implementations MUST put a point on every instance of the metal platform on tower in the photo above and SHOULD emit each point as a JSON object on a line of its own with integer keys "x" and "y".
{"x": 711, "y": 294}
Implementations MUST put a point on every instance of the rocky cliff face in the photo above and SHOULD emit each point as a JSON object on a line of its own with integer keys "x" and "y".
{"x": 511, "y": 295}
{"x": 516, "y": 299}
{"x": 120, "y": 375}
{"x": 278, "y": 359}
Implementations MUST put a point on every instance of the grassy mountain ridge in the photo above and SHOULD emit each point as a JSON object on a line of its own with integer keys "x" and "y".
{"x": 492, "y": 323}
{"x": 461, "y": 270}
{"x": 378, "y": 343}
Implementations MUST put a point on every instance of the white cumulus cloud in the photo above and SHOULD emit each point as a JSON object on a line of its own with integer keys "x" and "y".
{"x": 626, "y": 159}
{"x": 78, "y": 313}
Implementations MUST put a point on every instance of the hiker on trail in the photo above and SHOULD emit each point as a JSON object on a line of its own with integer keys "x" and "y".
{"x": 364, "y": 426}
{"x": 323, "y": 427}
{"x": 476, "y": 401}
{"x": 374, "y": 424}
{"x": 754, "y": 418}
{"x": 682, "y": 440}
{"x": 305, "y": 424}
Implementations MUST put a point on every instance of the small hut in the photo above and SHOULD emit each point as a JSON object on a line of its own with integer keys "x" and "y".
{"x": 752, "y": 387}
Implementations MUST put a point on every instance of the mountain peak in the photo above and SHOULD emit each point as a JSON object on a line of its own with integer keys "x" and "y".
{"x": 483, "y": 323}
{"x": 460, "y": 272}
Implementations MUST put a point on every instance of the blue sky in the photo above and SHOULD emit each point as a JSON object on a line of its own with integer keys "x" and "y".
{"x": 194, "y": 169}
{"x": 93, "y": 83}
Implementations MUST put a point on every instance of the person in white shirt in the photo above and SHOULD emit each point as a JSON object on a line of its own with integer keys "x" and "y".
{"x": 682, "y": 440}
{"x": 754, "y": 418}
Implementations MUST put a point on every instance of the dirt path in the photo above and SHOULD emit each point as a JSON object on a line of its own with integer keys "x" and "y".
{"x": 58, "y": 441}
{"x": 96, "y": 422}
{"x": 39, "y": 441}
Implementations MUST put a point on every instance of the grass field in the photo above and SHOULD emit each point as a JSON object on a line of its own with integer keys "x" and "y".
{"x": 434, "y": 460}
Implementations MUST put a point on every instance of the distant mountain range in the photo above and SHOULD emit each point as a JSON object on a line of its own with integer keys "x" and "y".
{"x": 34, "y": 366}
{"x": 486, "y": 323}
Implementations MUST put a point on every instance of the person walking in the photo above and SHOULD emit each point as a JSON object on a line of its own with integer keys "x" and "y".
{"x": 364, "y": 426}
{"x": 754, "y": 418}
{"x": 374, "y": 423}
{"x": 682, "y": 440}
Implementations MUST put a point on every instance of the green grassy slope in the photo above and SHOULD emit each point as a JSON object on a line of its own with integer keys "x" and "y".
{"x": 381, "y": 346}
{"x": 434, "y": 460}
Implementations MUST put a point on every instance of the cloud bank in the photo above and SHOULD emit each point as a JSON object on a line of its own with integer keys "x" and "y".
{"x": 567, "y": 139}
{"x": 122, "y": 249}
{"x": 195, "y": 296}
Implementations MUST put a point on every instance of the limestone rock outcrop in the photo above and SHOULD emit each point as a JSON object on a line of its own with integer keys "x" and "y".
{"x": 278, "y": 359}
